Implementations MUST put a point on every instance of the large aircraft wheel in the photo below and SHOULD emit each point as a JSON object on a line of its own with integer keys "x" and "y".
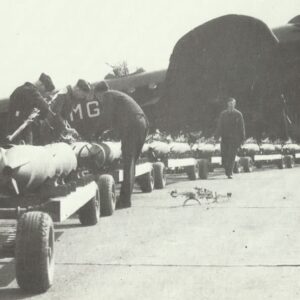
{"x": 146, "y": 182}
{"x": 107, "y": 189}
{"x": 203, "y": 168}
{"x": 89, "y": 214}
{"x": 160, "y": 178}
{"x": 34, "y": 252}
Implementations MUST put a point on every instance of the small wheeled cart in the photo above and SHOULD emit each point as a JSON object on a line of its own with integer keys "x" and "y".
{"x": 32, "y": 241}
{"x": 174, "y": 158}
{"x": 291, "y": 152}
{"x": 104, "y": 160}
{"x": 268, "y": 155}
{"x": 144, "y": 174}
{"x": 209, "y": 158}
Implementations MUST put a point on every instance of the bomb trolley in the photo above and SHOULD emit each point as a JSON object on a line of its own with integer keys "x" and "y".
{"x": 210, "y": 160}
{"x": 171, "y": 160}
{"x": 31, "y": 242}
{"x": 104, "y": 160}
{"x": 292, "y": 154}
{"x": 42, "y": 185}
{"x": 268, "y": 155}
{"x": 241, "y": 164}
{"x": 144, "y": 174}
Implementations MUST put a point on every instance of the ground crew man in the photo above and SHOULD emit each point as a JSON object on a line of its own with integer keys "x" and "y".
{"x": 21, "y": 104}
{"x": 122, "y": 114}
{"x": 102, "y": 110}
{"x": 64, "y": 106}
{"x": 231, "y": 129}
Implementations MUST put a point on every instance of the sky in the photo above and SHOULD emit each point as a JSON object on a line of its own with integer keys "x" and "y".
{"x": 71, "y": 39}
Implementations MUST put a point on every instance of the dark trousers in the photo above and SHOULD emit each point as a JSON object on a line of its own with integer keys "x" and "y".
{"x": 229, "y": 149}
{"x": 133, "y": 138}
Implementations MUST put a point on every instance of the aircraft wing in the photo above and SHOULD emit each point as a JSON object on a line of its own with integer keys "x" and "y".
{"x": 233, "y": 55}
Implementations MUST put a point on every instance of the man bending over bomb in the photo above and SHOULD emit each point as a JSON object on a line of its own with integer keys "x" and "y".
{"x": 116, "y": 111}
{"x": 122, "y": 114}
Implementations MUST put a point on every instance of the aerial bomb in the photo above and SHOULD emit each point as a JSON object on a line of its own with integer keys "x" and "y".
{"x": 250, "y": 147}
{"x": 291, "y": 148}
{"x": 204, "y": 148}
{"x": 267, "y": 148}
{"x": 29, "y": 166}
{"x": 179, "y": 148}
{"x": 159, "y": 148}
{"x": 97, "y": 155}
{"x": 63, "y": 158}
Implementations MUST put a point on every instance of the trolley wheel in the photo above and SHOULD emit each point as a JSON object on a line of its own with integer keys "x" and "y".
{"x": 289, "y": 161}
{"x": 247, "y": 164}
{"x": 146, "y": 182}
{"x": 281, "y": 163}
{"x": 204, "y": 166}
{"x": 107, "y": 190}
{"x": 159, "y": 175}
{"x": 89, "y": 214}
{"x": 258, "y": 164}
{"x": 192, "y": 172}
{"x": 237, "y": 168}
{"x": 34, "y": 252}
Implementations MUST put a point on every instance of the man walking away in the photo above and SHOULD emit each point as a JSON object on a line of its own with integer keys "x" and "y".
{"x": 231, "y": 129}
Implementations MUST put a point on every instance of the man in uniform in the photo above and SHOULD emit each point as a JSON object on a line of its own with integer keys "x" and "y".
{"x": 65, "y": 106}
{"x": 23, "y": 101}
{"x": 122, "y": 114}
{"x": 106, "y": 110}
{"x": 231, "y": 129}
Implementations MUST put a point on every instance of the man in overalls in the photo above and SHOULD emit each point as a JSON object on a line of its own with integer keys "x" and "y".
{"x": 122, "y": 114}
{"x": 101, "y": 110}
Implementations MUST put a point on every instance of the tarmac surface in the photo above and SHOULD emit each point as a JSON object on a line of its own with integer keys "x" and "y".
{"x": 243, "y": 247}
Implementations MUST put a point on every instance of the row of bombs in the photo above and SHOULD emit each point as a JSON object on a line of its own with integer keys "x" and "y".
{"x": 31, "y": 166}
{"x": 161, "y": 149}
{"x": 250, "y": 148}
